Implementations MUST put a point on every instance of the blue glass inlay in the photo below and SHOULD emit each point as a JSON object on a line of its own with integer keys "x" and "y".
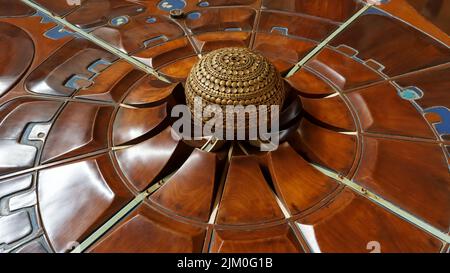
{"x": 411, "y": 93}
{"x": 203, "y": 4}
{"x": 194, "y": 15}
{"x": 281, "y": 30}
{"x": 120, "y": 20}
{"x": 168, "y": 5}
{"x": 94, "y": 67}
{"x": 72, "y": 83}
{"x": 443, "y": 127}
{"x": 57, "y": 32}
{"x": 151, "y": 20}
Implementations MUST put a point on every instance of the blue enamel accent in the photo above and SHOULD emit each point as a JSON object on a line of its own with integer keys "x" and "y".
{"x": 411, "y": 93}
{"x": 443, "y": 127}
{"x": 119, "y": 20}
{"x": 57, "y": 32}
{"x": 281, "y": 30}
{"x": 203, "y": 4}
{"x": 72, "y": 82}
{"x": 93, "y": 67}
{"x": 151, "y": 20}
{"x": 168, "y": 5}
{"x": 194, "y": 15}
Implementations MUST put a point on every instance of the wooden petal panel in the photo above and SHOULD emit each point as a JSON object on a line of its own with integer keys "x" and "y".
{"x": 350, "y": 223}
{"x": 190, "y": 191}
{"x": 277, "y": 239}
{"x": 86, "y": 193}
{"x": 147, "y": 230}
{"x": 298, "y": 184}
{"x": 247, "y": 198}
{"x": 381, "y": 110}
{"x": 413, "y": 175}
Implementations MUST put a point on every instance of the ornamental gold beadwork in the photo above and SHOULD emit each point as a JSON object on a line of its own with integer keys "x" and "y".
{"x": 234, "y": 76}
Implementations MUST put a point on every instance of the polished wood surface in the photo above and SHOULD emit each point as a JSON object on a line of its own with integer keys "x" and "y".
{"x": 83, "y": 131}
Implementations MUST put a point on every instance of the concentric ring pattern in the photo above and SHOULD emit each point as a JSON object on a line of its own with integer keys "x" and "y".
{"x": 84, "y": 132}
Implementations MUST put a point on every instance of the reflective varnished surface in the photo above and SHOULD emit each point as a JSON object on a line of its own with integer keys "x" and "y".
{"x": 83, "y": 131}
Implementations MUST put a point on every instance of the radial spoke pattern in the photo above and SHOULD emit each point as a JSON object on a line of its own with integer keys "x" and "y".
{"x": 88, "y": 154}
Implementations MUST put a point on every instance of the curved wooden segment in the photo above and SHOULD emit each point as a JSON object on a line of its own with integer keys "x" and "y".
{"x": 384, "y": 39}
{"x": 133, "y": 123}
{"x": 146, "y": 161}
{"x": 139, "y": 33}
{"x": 148, "y": 91}
{"x": 295, "y": 25}
{"x": 13, "y": 8}
{"x": 308, "y": 84}
{"x": 284, "y": 52}
{"x": 429, "y": 16}
{"x": 174, "y": 58}
{"x": 147, "y": 230}
{"x": 59, "y": 7}
{"x": 111, "y": 84}
{"x": 332, "y": 111}
{"x": 299, "y": 185}
{"x": 412, "y": 175}
{"x": 99, "y": 12}
{"x": 433, "y": 83}
{"x": 334, "y": 10}
{"x": 52, "y": 76}
{"x": 247, "y": 197}
{"x": 278, "y": 239}
{"x": 18, "y": 51}
{"x": 351, "y": 223}
{"x": 221, "y": 19}
{"x": 381, "y": 110}
{"x": 17, "y": 120}
{"x": 80, "y": 128}
{"x": 210, "y": 41}
{"x": 190, "y": 191}
{"x": 330, "y": 149}
{"x": 86, "y": 193}
{"x": 339, "y": 69}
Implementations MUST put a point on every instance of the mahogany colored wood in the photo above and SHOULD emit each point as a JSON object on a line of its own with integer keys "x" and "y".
{"x": 50, "y": 77}
{"x": 335, "y": 10}
{"x": 147, "y": 91}
{"x": 285, "y": 53}
{"x": 330, "y": 149}
{"x": 210, "y": 41}
{"x": 247, "y": 197}
{"x": 147, "y": 230}
{"x": 296, "y": 25}
{"x": 381, "y": 110}
{"x": 105, "y": 86}
{"x": 412, "y": 175}
{"x": 340, "y": 69}
{"x": 13, "y": 8}
{"x": 332, "y": 111}
{"x": 279, "y": 239}
{"x": 433, "y": 83}
{"x": 219, "y": 19}
{"x": 80, "y": 128}
{"x": 385, "y": 40}
{"x": 144, "y": 162}
{"x": 75, "y": 199}
{"x": 20, "y": 48}
{"x": 131, "y": 123}
{"x": 350, "y": 223}
{"x": 298, "y": 184}
{"x": 308, "y": 84}
{"x": 190, "y": 191}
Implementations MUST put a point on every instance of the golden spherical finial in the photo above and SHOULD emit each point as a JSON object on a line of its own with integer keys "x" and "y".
{"x": 234, "y": 76}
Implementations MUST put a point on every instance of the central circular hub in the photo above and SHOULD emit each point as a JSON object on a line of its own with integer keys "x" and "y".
{"x": 234, "y": 77}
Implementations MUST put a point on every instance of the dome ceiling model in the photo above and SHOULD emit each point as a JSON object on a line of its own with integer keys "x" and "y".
{"x": 89, "y": 161}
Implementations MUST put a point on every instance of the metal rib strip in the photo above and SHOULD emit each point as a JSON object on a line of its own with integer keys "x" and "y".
{"x": 142, "y": 66}
{"x": 386, "y": 204}
{"x": 327, "y": 40}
